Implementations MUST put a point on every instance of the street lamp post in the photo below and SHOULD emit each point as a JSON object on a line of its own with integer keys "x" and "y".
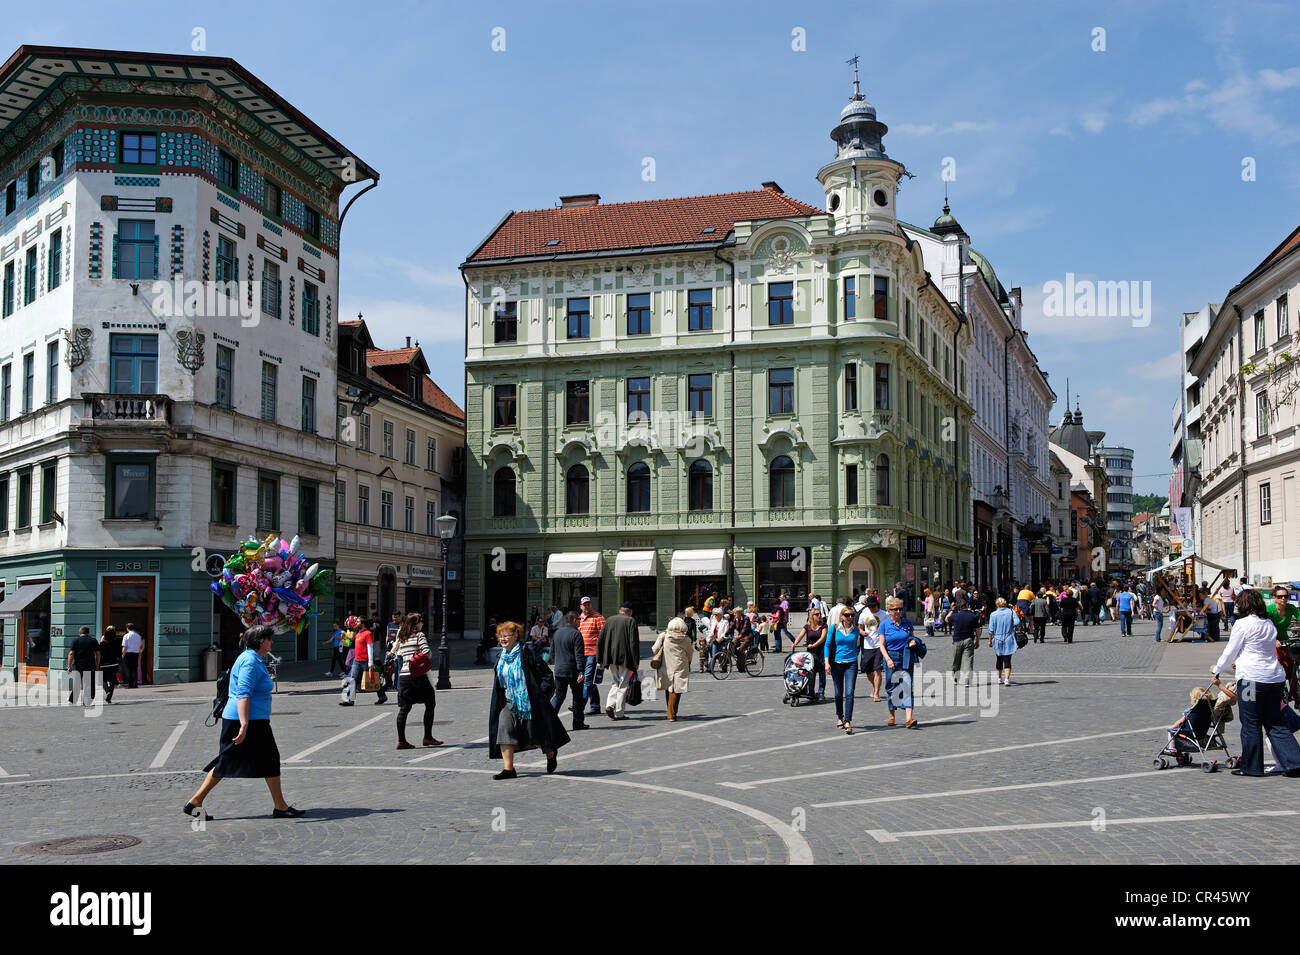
{"x": 446, "y": 530}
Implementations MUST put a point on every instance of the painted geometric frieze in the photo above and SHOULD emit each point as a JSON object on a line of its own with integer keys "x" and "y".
{"x": 96, "y": 249}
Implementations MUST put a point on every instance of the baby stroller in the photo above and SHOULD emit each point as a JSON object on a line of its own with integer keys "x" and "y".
{"x": 800, "y": 678}
{"x": 1200, "y": 731}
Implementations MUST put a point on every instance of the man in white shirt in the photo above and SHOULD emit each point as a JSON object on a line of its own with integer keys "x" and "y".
{"x": 872, "y": 662}
{"x": 132, "y": 644}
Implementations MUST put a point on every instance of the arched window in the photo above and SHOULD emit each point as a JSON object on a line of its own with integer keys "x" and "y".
{"x": 503, "y": 492}
{"x": 701, "y": 486}
{"x": 638, "y": 488}
{"x": 577, "y": 490}
{"x": 882, "y": 479}
{"x": 781, "y": 487}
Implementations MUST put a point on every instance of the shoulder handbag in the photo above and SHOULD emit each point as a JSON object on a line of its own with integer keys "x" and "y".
{"x": 1022, "y": 639}
{"x": 657, "y": 660}
{"x": 420, "y": 663}
{"x": 634, "y": 690}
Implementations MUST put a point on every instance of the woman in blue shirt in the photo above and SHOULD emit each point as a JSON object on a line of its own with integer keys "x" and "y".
{"x": 896, "y": 642}
{"x": 1002, "y": 638}
{"x": 842, "y": 647}
{"x": 248, "y": 749}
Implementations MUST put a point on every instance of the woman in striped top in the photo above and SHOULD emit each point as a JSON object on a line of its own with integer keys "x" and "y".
{"x": 410, "y": 641}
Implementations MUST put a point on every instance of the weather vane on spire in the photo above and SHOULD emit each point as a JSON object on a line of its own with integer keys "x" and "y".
{"x": 853, "y": 62}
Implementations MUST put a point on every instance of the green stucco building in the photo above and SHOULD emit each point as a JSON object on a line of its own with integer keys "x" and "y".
{"x": 740, "y": 393}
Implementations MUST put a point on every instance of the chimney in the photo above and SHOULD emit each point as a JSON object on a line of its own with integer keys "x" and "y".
{"x": 773, "y": 187}
{"x": 578, "y": 202}
{"x": 408, "y": 341}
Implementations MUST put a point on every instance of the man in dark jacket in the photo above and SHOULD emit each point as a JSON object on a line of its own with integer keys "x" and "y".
{"x": 1069, "y": 610}
{"x": 570, "y": 658}
{"x": 619, "y": 652}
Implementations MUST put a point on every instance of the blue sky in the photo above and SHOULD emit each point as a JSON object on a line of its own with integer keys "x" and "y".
{"x": 1122, "y": 165}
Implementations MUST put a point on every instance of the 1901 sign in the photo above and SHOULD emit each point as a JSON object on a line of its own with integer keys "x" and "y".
{"x": 916, "y": 548}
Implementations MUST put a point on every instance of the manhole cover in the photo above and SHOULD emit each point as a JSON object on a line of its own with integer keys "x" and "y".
{"x": 78, "y": 845}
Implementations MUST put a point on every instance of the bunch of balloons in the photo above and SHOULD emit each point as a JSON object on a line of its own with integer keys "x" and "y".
{"x": 271, "y": 584}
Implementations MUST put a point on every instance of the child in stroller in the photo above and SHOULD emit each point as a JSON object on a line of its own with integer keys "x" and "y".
{"x": 1201, "y": 730}
{"x": 800, "y": 678}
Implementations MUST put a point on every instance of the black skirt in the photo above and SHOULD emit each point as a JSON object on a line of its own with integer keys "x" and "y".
{"x": 257, "y": 757}
{"x": 415, "y": 689}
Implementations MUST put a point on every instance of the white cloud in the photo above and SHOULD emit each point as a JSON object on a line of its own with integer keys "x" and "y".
{"x": 935, "y": 129}
{"x": 1094, "y": 121}
{"x": 1167, "y": 368}
{"x": 1241, "y": 104}
{"x": 390, "y": 320}
{"x": 390, "y": 268}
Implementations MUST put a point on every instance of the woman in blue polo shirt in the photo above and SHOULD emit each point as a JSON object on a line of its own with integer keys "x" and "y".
{"x": 248, "y": 749}
{"x": 897, "y": 643}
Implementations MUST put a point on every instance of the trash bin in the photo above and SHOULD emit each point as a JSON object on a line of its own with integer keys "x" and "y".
{"x": 211, "y": 662}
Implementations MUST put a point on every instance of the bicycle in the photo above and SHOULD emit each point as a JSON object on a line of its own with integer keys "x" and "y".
{"x": 726, "y": 660}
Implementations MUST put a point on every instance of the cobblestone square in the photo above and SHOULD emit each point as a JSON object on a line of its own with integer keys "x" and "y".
{"x": 1059, "y": 770}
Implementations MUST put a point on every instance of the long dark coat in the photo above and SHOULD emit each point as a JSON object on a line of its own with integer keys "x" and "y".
{"x": 546, "y": 729}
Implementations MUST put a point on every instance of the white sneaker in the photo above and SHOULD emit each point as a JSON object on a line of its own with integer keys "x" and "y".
{"x": 1008, "y": 683}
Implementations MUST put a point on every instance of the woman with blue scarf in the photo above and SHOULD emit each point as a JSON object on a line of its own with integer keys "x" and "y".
{"x": 521, "y": 715}
{"x": 897, "y": 643}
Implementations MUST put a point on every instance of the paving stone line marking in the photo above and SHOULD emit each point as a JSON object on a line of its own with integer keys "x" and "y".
{"x": 989, "y": 789}
{"x": 446, "y": 750}
{"x": 798, "y": 851}
{"x": 160, "y": 760}
{"x": 646, "y": 739}
{"x": 930, "y": 759}
{"x": 884, "y": 835}
{"x": 773, "y": 749}
{"x": 302, "y": 757}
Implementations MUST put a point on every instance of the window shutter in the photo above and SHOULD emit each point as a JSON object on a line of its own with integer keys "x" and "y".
{"x": 155, "y": 256}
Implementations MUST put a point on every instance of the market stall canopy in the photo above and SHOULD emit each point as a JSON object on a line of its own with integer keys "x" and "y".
{"x": 699, "y": 563}
{"x": 634, "y": 563}
{"x": 582, "y": 566}
{"x": 13, "y": 606}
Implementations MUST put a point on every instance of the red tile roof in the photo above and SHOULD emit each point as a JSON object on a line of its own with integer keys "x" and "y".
{"x": 437, "y": 398}
{"x": 395, "y": 356}
{"x": 634, "y": 225}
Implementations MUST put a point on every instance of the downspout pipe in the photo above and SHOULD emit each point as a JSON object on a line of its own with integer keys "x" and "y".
{"x": 1006, "y": 425}
{"x": 1241, "y": 417}
{"x": 731, "y": 411}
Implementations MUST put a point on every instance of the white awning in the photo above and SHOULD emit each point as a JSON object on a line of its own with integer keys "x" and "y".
{"x": 576, "y": 566}
{"x": 14, "y": 604}
{"x": 699, "y": 563}
{"x": 634, "y": 563}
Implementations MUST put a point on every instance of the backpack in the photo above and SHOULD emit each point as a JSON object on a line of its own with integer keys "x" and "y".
{"x": 219, "y": 701}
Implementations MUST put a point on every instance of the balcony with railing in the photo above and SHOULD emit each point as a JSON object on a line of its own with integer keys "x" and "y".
{"x": 149, "y": 410}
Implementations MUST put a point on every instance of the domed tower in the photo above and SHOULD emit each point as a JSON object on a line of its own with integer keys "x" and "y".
{"x": 861, "y": 184}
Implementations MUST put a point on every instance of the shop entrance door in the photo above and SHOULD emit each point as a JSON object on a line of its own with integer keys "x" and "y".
{"x": 639, "y": 593}
{"x": 131, "y": 600}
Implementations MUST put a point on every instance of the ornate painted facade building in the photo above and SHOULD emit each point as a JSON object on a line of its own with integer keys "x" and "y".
{"x": 169, "y": 236}
{"x": 738, "y": 393}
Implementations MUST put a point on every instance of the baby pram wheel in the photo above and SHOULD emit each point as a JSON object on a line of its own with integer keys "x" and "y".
{"x": 1160, "y": 763}
{"x": 1231, "y": 762}
{"x": 1209, "y": 766}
